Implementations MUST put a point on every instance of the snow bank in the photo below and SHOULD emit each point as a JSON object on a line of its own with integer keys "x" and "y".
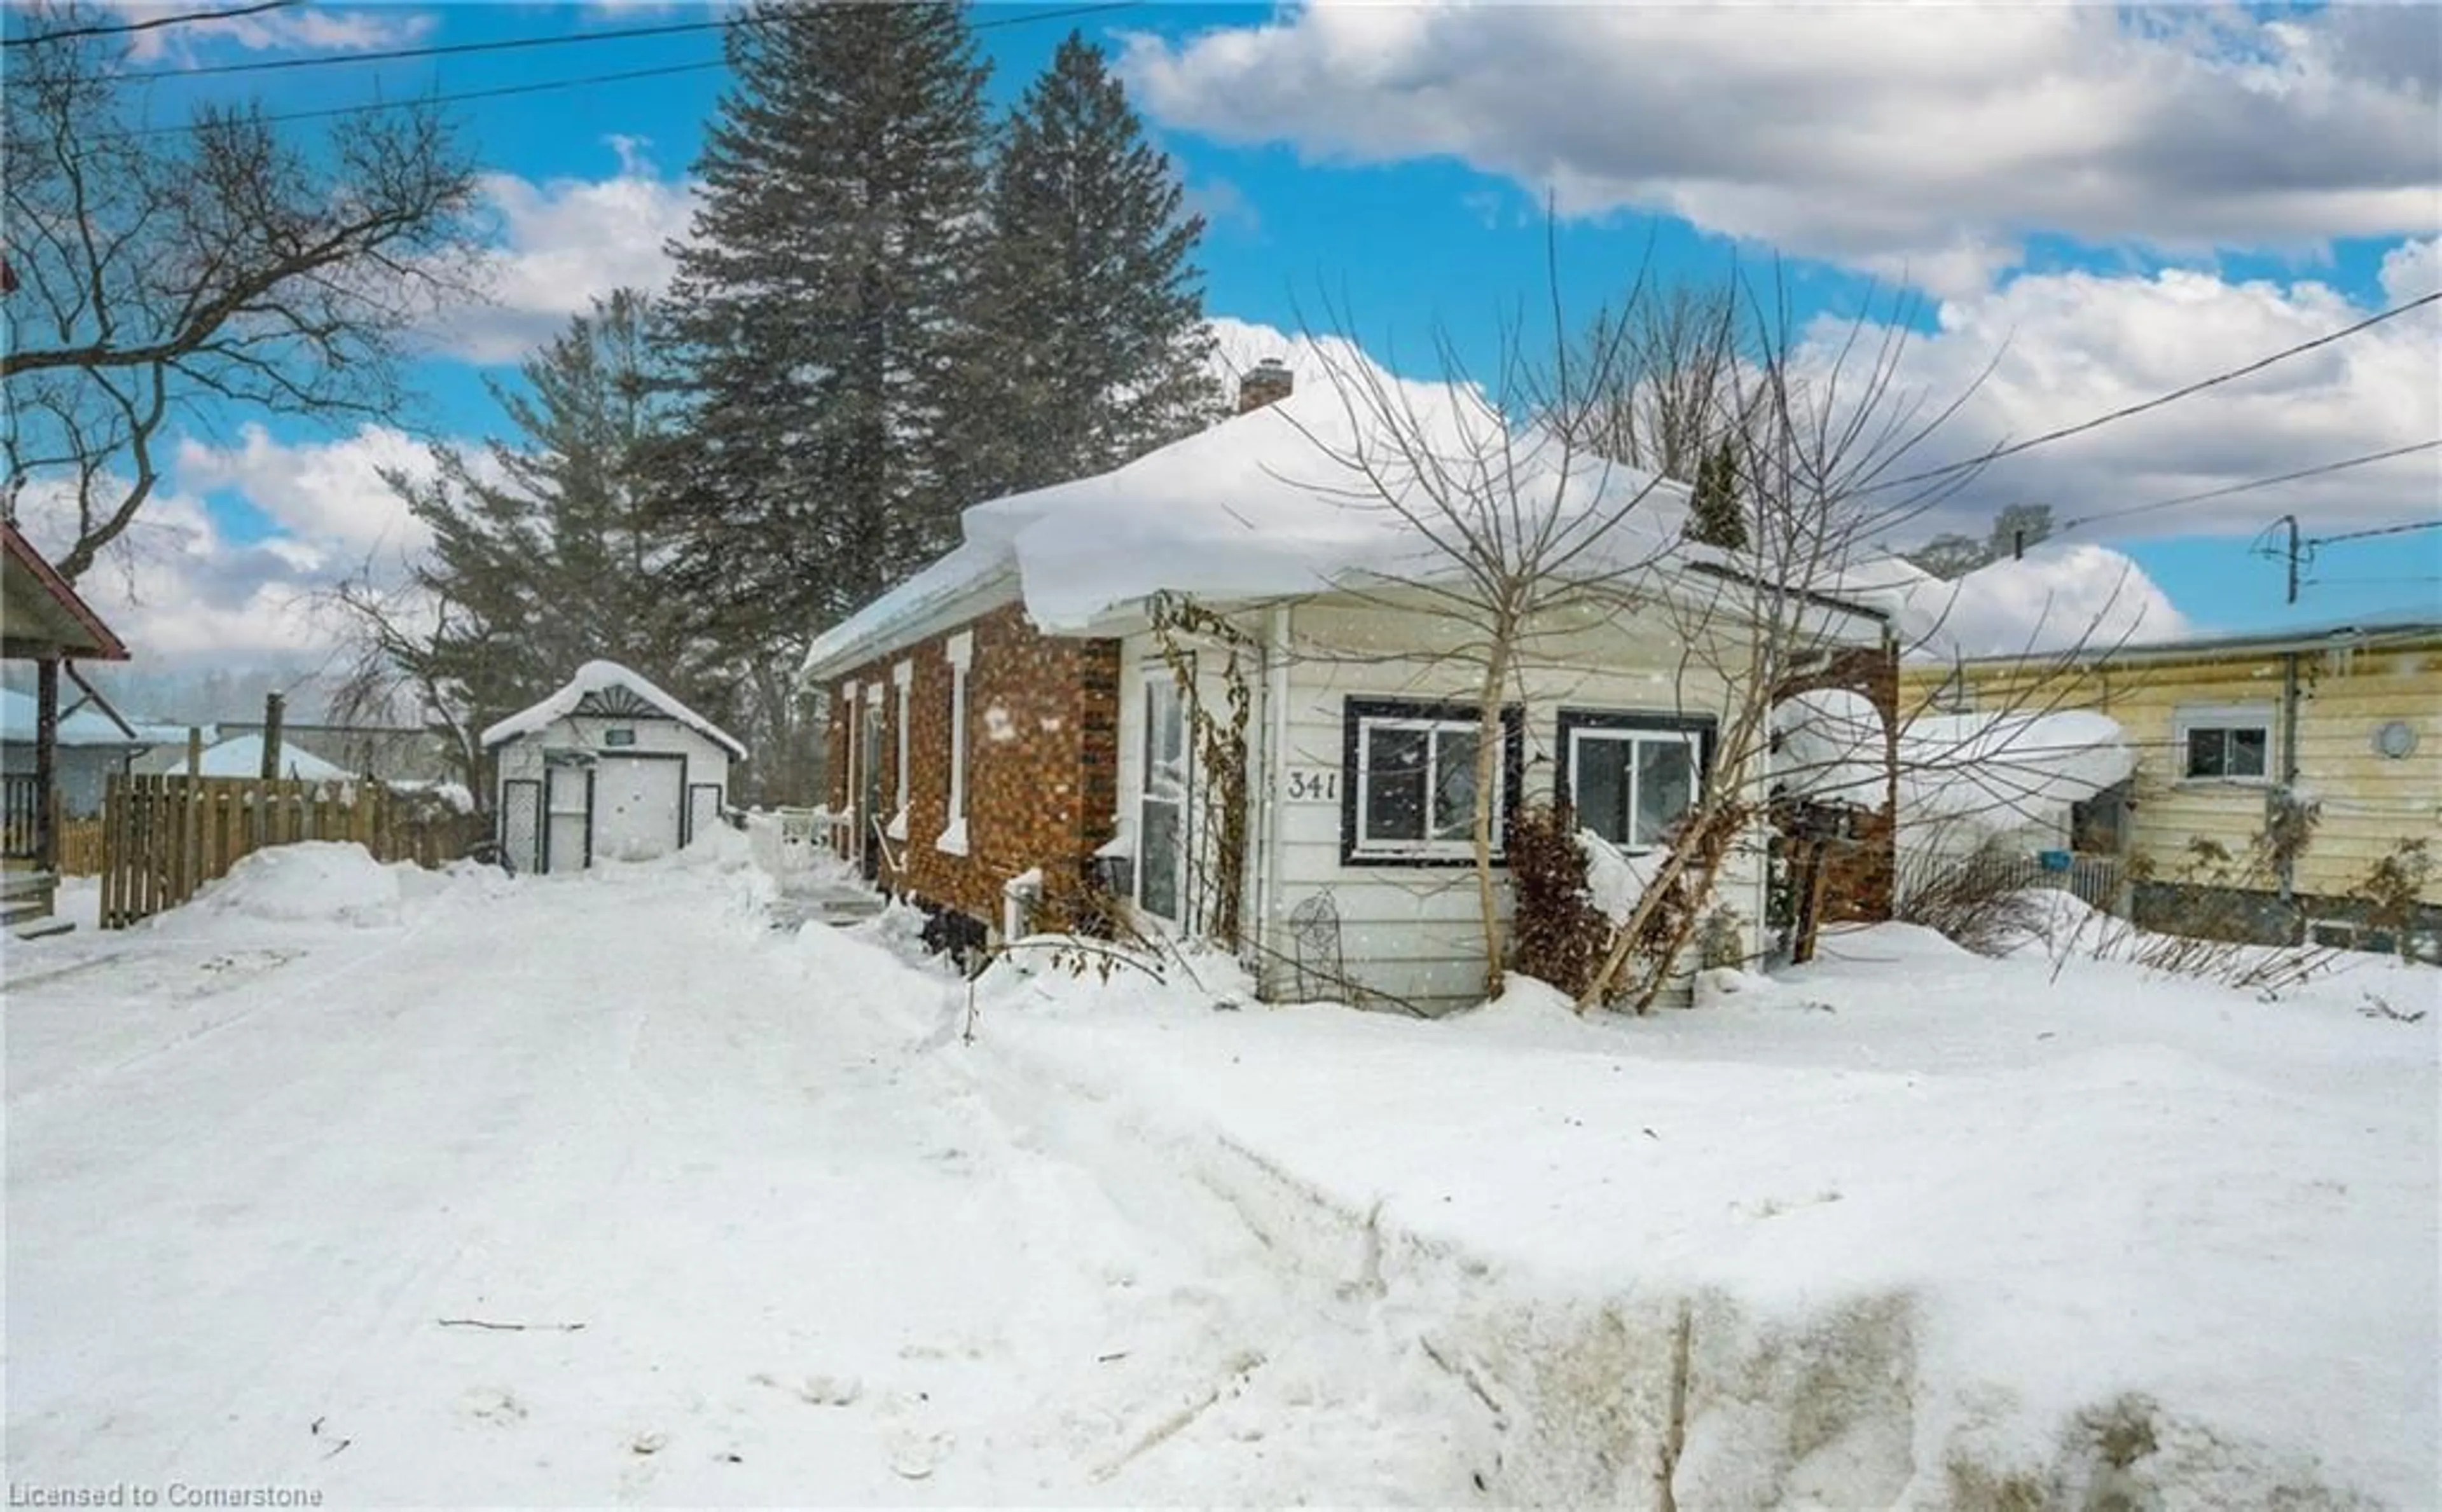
{"x": 1958, "y": 1235}
{"x": 311, "y": 881}
{"x": 595, "y": 677}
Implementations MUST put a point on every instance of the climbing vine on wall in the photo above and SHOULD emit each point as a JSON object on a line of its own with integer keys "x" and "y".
{"x": 1220, "y": 753}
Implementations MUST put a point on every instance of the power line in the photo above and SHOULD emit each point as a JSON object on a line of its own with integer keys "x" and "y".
{"x": 132, "y": 27}
{"x": 546, "y": 86}
{"x": 2172, "y": 397}
{"x": 451, "y": 50}
{"x": 2248, "y": 486}
{"x": 2380, "y": 530}
{"x": 587, "y": 81}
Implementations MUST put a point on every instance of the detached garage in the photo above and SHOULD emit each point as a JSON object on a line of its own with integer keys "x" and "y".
{"x": 609, "y": 768}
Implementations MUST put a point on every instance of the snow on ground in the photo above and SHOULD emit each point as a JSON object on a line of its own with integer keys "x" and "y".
{"x": 1945, "y": 1229}
{"x": 1925, "y": 1230}
{"x": 810, "y": 1253}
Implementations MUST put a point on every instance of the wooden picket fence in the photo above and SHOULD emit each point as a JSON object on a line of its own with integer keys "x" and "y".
{"x": 79, "y": 848}
{"x": 164, "y": 837}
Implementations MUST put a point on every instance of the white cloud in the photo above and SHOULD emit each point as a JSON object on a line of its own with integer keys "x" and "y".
{"x": 328, "y": 498}
{"x": 2055, "y": 599}
{"x": 1931, "y": 137}
{"x": 179, "y": 584}
{"x": 2064, "y": 347}
{"x": 565, "y": 243}
{"x": 294, "y": 29}
{"x": 2412, "y": 270}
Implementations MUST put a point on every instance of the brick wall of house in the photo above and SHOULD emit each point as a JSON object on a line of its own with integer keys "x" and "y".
{"x": 1861, "y": 874}
{"x": 1041, "y": 758}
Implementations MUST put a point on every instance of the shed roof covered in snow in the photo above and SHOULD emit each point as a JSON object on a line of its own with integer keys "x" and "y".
{"x": 241, "y": 757}
{"x": 594, "y": 690}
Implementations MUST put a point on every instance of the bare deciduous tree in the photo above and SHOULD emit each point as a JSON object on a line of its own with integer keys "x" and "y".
{"x": 180, "y": 273}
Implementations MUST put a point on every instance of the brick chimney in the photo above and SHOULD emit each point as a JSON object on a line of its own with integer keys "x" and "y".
{"x": 1266, "y": 382}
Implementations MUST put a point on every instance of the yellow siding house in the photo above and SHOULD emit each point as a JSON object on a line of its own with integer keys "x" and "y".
{"x": 2289, "y": 786}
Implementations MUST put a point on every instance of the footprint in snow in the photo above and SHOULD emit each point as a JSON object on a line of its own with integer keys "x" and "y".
{"x": 817, "y": 1390}
{"x": 491, "y": 1404}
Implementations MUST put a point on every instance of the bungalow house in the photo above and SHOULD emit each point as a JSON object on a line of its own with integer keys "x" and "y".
{"x": 1240, "y": 704}
{"x": 2287, "y": 785}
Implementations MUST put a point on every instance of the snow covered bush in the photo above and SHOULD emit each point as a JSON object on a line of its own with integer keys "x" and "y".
{"x": 1557, "y": 933}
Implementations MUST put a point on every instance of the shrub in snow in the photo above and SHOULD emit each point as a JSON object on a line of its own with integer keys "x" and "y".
{"x": 1557, "y": 934}
{"x": 313, "y": 880}
{"x": 1977, "y": 903}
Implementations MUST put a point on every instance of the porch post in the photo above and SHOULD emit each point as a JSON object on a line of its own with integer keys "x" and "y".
{"x": 47, "y": 740}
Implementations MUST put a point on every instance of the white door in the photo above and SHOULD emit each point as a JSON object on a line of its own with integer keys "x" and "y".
{"x": 639, "y": 802}
{"x": 566, "y": 804}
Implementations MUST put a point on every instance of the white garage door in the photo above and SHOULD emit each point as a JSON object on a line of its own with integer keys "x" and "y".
{"x": 637, "y": 807}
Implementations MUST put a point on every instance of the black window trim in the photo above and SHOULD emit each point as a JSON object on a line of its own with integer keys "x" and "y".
{"x": 1703, "y": 726}
{"x": 1357, "y": 710}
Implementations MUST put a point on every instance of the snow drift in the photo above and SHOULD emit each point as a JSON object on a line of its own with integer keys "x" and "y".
{"x": 311, "y": 881}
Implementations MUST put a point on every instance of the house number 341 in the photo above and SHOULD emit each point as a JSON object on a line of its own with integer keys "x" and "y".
{"x": 1314, "y": 785}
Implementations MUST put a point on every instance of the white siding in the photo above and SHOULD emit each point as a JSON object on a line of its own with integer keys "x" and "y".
{"x": 1412, "y": 933}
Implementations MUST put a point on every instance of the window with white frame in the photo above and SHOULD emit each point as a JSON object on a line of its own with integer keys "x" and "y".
{"x": 1161, "y": 810}
{"x": 2229, "y": 742}
{"x": 903, "y": 679}
{"x": 1411, "y": 796}
{"x": 960, "y": 650}
{"x": 1631, "y": 777}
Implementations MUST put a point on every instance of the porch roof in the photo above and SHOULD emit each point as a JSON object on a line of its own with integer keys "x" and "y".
{"x": 41, "y": 616}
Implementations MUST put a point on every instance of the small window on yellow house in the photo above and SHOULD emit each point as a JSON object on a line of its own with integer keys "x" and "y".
{"x": 2231, "y": 743}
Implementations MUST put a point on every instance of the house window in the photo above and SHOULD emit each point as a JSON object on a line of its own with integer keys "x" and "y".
{"x": 1413, "y": 799}
{"x": 1631, "y": 777}
{"x": 961, "y": 652}
{"x": 2231, "y": 743}
{"x": 904, "y": 678}
{"x": 1162, "y": 822}
{"x": 613, "y": 738}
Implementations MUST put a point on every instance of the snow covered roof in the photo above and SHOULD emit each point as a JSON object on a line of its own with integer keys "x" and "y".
{"x": 86, "y": 726}
{"x": 2419, "y": 623}
{"x": 1994, "y": 769}
{"x": 1254, "y": 507}
{"x": 597, "y": 676}
{"x": 241, "y": 757}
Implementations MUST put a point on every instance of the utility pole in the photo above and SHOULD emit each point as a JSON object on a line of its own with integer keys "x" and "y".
{"x": 2291, "y": 520}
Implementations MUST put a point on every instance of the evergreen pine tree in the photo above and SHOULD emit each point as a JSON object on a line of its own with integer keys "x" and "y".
{"x": 815, "y": 311}
{"x": 1715, "y": 515}
{"x": 542, "y": 558}
{"x": 1091, "y": 346}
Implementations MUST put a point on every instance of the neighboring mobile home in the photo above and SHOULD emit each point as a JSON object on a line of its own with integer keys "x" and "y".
{"x": 2281, "y": 778}
{"x": 608, "y": 768}
{"x": 1236, "y": 703}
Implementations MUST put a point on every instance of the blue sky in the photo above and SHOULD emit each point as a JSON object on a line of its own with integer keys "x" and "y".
{"x": 2111, "y": 244}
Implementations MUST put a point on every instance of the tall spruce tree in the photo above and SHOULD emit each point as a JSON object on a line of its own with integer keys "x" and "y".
{"x": 816, "y": 311}
{"x": 542, "y": 557}
{"x": 1715, "y": 515}
{"x": 1089, "y": 341}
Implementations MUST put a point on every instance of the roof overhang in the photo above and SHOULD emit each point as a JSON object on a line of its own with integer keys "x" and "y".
{"x": 916, "y": 612}
{"x": 41, "y": 617}
{"x": 2373, "y": 636}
